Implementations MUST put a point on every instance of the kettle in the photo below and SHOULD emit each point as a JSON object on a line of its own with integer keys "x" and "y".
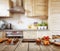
{"x": 9, "y": 26}
{"x": 2, "y": 24}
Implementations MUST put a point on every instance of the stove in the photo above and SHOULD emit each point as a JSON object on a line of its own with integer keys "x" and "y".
{"x": 14, "y": 34}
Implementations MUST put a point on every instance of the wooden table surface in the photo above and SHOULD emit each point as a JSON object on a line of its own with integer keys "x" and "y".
{"x": 24, "y": 47}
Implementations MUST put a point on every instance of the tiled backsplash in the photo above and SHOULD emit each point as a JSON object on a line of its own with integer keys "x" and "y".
{"x": 21, "y": 21}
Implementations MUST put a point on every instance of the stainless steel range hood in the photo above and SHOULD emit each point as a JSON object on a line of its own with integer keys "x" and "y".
{"x": 17, "y": 6}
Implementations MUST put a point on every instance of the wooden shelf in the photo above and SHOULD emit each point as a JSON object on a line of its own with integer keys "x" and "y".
{"x": 43, "y": 17}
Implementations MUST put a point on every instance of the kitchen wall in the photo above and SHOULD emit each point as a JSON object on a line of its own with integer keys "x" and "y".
{"x": 54, "y": 14}
{"x": 20, "y": 21}
{"x": 4, "y": 6}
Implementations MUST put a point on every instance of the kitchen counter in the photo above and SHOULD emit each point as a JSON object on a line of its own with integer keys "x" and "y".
{"x": 24, "y": 47}
{"x": 23, "y": 30}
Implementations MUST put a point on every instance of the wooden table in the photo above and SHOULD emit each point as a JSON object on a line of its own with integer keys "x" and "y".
{"x": 24, "y": 47}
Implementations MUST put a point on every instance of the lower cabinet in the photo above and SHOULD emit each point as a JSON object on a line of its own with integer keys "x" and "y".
{"x": 40, "y": 34}
{"x": 30, "y": 34}
{"x": 36, "y": 34}
{"x": 2, "y": 34}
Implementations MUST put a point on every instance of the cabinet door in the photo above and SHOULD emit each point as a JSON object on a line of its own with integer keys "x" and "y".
{"x": 28, "y": 7}
{"x": 4, "y": 8}
{"x": 30, "y": 34}
{"x": 40, "y": 34}
{"x": 54, "y": 14}
{"x": 40, "y": 7}
{"x": 36, "y": 7}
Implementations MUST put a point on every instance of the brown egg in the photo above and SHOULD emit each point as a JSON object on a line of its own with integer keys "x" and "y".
{"x": 38, "y": 41}
{"x": 45, "y": 42}
{"x": 8, "y": 41}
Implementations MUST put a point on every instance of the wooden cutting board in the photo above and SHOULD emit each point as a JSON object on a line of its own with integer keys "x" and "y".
{"x": 55, "y": 36}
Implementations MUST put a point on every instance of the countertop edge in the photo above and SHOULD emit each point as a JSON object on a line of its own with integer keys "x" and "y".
{"x": 24, "y": 30}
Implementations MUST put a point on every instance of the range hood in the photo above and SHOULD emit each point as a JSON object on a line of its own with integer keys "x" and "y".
{"x": 17, "y": 6}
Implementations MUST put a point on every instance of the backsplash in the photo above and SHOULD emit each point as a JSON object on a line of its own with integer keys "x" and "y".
{"x": 21, "y": 21}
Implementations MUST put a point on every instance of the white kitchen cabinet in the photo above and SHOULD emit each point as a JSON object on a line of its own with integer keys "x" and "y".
{"x": 36, "y": 7}
{"x": 4, "y": 8}
{"x": 30, "y": 34}
{"x": 54, "y": 15}
{"x": 55, "y": 32}
{"x": 40, "y": 34}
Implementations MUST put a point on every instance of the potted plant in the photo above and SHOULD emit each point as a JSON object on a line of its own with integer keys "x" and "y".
{"x": 45, "y": 25}
{"x": 39, "y": 26}
{"x": 42, "y": 26}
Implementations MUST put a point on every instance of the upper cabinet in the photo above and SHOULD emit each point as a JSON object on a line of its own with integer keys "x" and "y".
{"x": 36, "y": 7}
{"x": 4, "y": 8}
{"x": 28, "y": 6}
{"x": 54, "y": 15}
